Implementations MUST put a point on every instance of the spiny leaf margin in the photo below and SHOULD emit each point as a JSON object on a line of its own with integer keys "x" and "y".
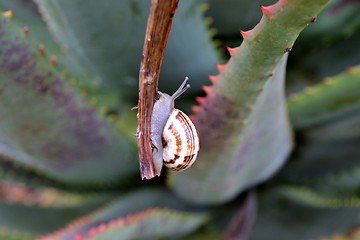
{"x": 61, "y": 111}
{"x": 311, "y": 197}
{"x": 335, "y": 96}
{"x": 225, "y": 112}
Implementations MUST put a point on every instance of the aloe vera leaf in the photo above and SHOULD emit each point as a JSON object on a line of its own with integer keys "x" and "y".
{"x": 26, "y": 15}
{"x": 354, "y": 234}
{"x": 338, "y": 14}
{"x": 160, "y": 223}
{"x": 6, "y": 234}
{"x": 126, "y": 218}
{"x": 285, "y": 219}
{"x": 315, "y": 198}
{"x": 322, "y": 103}
{"x": 53, "y": 208}
{"x": 242, "y": 123}
{"x": 35, "y": 220}
{"x": 48, "y": 126}
{"x": 233, "y": 168}
{"x": 41, "y": 196}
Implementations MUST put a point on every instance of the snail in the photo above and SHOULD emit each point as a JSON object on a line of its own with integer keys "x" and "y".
{"x": 173, "y": 135}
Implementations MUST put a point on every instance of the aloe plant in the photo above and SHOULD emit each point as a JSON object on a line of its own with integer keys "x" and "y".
{"x": 278, "y": 121}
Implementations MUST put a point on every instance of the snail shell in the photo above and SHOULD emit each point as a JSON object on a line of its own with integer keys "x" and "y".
{"x": 174, "y": 136}
{"x": 180, "y": 141}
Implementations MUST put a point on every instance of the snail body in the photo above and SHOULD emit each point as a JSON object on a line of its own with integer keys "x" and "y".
{"x": 173, "y": 135}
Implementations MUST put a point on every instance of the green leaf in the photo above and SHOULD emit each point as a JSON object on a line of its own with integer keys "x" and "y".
{"x": 19, "y": 193}
{"x": 314, "y": 198}
{"x": 110, "y": 41}
{"x": 26, "y": 14}
{"x": 37, "y": 220}
{"x": 280, "y": 217}
{"x": 48, "y": 126}
{"x": 325, "y": 152}
{"x": 242, "y": 123}
{"x": 145, "y": 214}
{"x": 335, "y": 97}
{"x": 6, "y": 234}
{"x": 354, "y": 234}
{"x": 245, "y": 165}
{"x": 340, "y": 15}
{"x": 149, "y": 224}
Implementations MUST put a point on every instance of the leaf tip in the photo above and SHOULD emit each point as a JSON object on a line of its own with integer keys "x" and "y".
{"x": 78, "y": 236}
{"x": 93, "y": 101}
{"x": 207, "y": 89}
{"x": 213, "y": 32}
{"x": 41, "y": 49}
{"x": 26, "y": 31}
{"x": 192, "y": 117}
{"x": 220, "y": 67}
{"x": 266, "y": 10}
{"x": 54, "y": 61}
{"x": 351, "y": 70}
{"x": 309, "y": 90}
{"x": 73, "y": 81}
{"x": 66, "y": 74}
{"x": 195, "y": 108}
{"x": 245, "y": 34}
{"x": 208, "y": 20}
{"x": 214, "y": 78}
{"x": 232, "y": 51}
{"x": 204, "y": 7}
{"x": 8, "y": 14}
{"x": 328, "y": 81}
{"x": 200, "y": 100}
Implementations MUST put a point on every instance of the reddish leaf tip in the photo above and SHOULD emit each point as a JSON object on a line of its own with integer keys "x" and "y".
{"x": 8, "y": 13}
{"x": 195, "y": 108}
{"x": 232, "y": 51}
{"x": 92, "y": 232}
{"x": 312, "y": 20}
{"x": 192, "y": 117}
{"x": 41, "y": 48}
{"x": 207, "y": 89}
{"x": 65, "y": 74}
{"x": 351, "y": 70}
{"x": 213, "y": 31}
{"x": 53, "y": 60}
{"x": 204, "y": 7}
{"x": 245, "y": 34}
{"x": 102, "y": 227}
{"x": 220, "y": 67}
{"x": 213, "y": 78}
{"x": 209, "y": 20}
{"x": 266, "y": 10}
{"x": 78, "y": 236}
{"x": 328, "y": 81}
{"x": 26, "y": 30}
{"x": 200, "y": 100}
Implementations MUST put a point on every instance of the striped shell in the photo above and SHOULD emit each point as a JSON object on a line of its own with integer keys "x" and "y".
{"x": 180, "y": 141}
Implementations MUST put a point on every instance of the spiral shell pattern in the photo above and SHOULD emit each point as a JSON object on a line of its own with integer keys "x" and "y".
{"x": 180, "y": 141}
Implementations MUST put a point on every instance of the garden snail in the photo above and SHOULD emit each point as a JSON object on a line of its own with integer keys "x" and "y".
{"x": 173, "y": 135}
